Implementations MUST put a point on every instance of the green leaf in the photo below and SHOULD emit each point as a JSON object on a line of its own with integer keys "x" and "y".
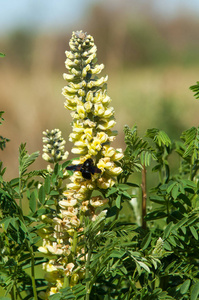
{"x": 194, "y": 232}
{"x": 158, "y": 199}
{"x": 126, "y": 195}
{"x": 146, "y": 241}
{"x": 118, "y": 201}
{"x": 117, "y": 253}
{"x": 159, "y": 137}
{"x": 6, "y": 222}
{"x": 25, "y": 160}
{"x": 195, "y": 89}
{"x": 15, "y": 223}
{"x": 175, "y": 191}
{"x": 185, "y": 286}
{"x": 54, "y": 193}
{"x": 192, "y": 219}
{"x": 185, "y": 199}
{"x": 111, "y": 191}
{"x": 168, "y": 230}
{"x": 33, "y": 202}
{"x": 47, "y": 184}
{"x": 167, "y": 246}
{"x": 144, "y": 266}
{"x": 157, "y": 214}
{"x": 195, "y": 291}
{"x": 56, "y": 169}
{"x": 170, "y": 267}
{"x": 180, "y": 223}
{"x": 56, "y": 296}
{"x": 123, "y": 186}
{"x": 138, "y": 268}
{"x": 42, "y": 194}
{"x": 2, "y": 54}
{"x": 172, "y": 240}
{"x": 22, "y": 226}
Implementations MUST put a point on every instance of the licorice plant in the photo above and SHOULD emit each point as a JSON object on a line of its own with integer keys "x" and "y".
{"x": 81, "y": 201}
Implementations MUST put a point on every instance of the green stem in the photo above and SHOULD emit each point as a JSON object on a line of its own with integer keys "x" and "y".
{"x": 33, "y": 273}
{"x": 20, "y": 192}
{"x": 144, "y": 197}
{"x": 73, "y": 250}
{"x": 87, "y": 275}
{"x": 12, "y": 293}
{"x": 168, "y": 213}
{"x": 190, "y": 175}
{"x": 66, "y": 282}
{"x": 18, "y": 293}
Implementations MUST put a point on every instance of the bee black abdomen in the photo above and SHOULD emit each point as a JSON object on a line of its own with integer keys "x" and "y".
{"x": 86, "y": 174}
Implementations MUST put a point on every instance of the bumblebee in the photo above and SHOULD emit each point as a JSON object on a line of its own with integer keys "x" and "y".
{"x": 87, "y": 168}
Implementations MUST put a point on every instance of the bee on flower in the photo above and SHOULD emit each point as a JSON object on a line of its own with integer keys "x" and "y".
{"x": 96, "y": 168}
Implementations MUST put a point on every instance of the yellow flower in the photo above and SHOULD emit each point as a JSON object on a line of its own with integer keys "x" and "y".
{"x": 78, "y": 126}
{"x": 53, "y": 290}
{"x": 118, "y": 154}
{"x": 98, "y": 201}
{"x": 69, "y": 268}
{"x": 79, "y": 150}
{"x": 105, "y": 163}
{"x": 108, "y": 151}
{"x": 105, "y": 183}
{"x": 54, "y": 249}
{"x": 115, "y": 171}
{"x": 81, "y": 111}
{"x": 99, "y": 109}
{"x": 84, "y": 206}
{"x": 106, "y": 125}
{"x": 88, "y": 134}
{"x": 66, "y": 203}
{"x": 43, "y": 249}
{"x": 49, "y": 267}
{"x": 59, "y": 283}
{"x": 88, "y": 106}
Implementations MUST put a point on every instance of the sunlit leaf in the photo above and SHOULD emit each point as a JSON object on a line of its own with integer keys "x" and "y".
{"x": 185, "y": 286}
{"x": 195, "y": 291}
{"x": 42, "y": 194}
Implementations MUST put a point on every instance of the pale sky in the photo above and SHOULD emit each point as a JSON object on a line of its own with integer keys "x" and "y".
{"x": 43, "y": 15}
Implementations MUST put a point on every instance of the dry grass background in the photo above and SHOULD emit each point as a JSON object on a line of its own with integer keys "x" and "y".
{"x": 146, "y": 97}
{"x": 150, "y": 64}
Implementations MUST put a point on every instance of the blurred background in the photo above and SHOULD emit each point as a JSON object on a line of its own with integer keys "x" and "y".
{"x": 150, "y": 50}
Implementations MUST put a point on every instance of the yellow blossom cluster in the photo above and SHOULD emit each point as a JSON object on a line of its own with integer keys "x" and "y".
{"x": 92, "y": 122}
{"x": 93, "y": 117}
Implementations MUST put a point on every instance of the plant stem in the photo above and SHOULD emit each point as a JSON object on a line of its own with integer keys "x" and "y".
{"x": 73, "y": 250}
{"x": 66, "y": 282}
{"x": 20, "y": 192}
{"x": 33, "y": 272}
{"x": 87, "y": 275}
{"x": 144, "y": 197}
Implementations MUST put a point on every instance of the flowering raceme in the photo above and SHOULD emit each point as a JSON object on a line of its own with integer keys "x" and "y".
{"x": 93, "y": 117}
{"x": 92, "y": 123}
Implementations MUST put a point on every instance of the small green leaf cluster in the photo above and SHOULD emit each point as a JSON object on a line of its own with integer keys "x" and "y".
{"x": 19, "y": 236}
{"x": 23, "y": 203}
{"x": 3, "y": 140}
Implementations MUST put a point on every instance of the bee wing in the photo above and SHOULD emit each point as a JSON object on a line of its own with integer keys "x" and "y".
{"x": 96, "y": 170}
{"x": 74, "y": 167}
